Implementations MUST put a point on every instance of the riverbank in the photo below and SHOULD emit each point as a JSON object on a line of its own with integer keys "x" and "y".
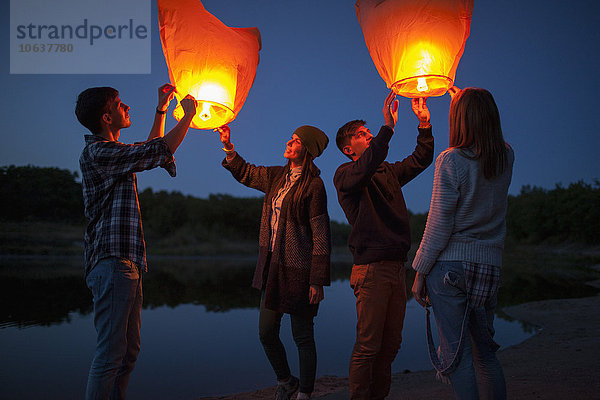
{"x": 61, "y": 239}
{"x": 559, "y": 362}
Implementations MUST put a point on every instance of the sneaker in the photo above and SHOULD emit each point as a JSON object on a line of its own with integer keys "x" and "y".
{"x": 286, "y": 390}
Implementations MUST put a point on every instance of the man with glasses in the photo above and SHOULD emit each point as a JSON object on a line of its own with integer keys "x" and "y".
{"x": 369, "y": 191}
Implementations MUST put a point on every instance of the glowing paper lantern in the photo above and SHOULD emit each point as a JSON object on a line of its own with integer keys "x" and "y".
{"x": 416, "y": 44}
{"x": 207, "y": 59}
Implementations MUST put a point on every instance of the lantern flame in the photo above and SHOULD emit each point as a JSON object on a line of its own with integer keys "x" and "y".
{"x": 422, "y": 85}
{"x": 214, "y": 92}
{"x": 205, "y": 113}
{"x": 208, "y": 93}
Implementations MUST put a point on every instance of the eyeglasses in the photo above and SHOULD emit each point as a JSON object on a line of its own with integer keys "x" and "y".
{"x": 361, "y": 133}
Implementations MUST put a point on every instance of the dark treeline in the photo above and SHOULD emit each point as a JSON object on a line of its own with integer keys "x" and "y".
{"x": 563, "y": 214}
{"x": 40, "y": 194}
{"x": 218, "y": 216}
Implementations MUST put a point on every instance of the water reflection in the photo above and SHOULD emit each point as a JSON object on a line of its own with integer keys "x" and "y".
{"x": 199, "y": 327}
{"x": 43, "y": 291}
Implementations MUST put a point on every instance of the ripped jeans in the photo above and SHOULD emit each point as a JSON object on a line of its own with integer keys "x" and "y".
{"x": 473, "y": 356}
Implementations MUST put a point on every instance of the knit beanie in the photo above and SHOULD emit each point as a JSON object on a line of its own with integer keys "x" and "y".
{"x": 314, "y": 139}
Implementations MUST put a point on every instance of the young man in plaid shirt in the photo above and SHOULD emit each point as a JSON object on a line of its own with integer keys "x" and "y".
{"x": 115, "y": 253}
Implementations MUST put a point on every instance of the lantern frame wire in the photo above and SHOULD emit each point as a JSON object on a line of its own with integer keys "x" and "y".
{"x": 201, "y": 123}
{"x": 399, "y": 87}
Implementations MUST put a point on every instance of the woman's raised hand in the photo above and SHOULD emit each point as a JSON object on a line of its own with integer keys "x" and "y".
{"x": 224, "y": 135}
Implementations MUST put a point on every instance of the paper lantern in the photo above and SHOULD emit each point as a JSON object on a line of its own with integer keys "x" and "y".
{"x": 207, "y": 59}
{"x": 416, "y": 44}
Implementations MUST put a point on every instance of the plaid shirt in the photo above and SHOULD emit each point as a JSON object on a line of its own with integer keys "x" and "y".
{"x": 482, "y": 281}
{"x": 110, "y": 196}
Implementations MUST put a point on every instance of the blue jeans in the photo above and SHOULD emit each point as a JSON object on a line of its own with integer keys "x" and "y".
{"x": 476, "y": 356}
{"x": 116, "y": 285}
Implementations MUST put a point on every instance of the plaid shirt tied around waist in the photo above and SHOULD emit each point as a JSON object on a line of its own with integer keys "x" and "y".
{"x": 482, "y": 281}
{"x": 110, "y": 196}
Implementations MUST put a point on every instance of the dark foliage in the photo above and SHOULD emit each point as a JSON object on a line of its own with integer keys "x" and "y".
{"x": 44, "y": 194}
{"x": 339, "y": 233}
{"x": 559, "y": 215}
{"x": 536, "y": 215}
{"x": 219, "y": 216}
{"x": 417, "y": 225}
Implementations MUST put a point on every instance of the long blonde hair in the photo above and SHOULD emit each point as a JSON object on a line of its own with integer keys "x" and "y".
{"x": 475, "y": 125}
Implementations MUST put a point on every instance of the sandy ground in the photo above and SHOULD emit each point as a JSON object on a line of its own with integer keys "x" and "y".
{"x": 561, "y": 361}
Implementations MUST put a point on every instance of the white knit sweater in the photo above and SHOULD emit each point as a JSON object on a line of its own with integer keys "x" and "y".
{"x": 467, "y": 215}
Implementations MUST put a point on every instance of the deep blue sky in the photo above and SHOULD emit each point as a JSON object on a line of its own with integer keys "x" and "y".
{"x": 540, "y": 60}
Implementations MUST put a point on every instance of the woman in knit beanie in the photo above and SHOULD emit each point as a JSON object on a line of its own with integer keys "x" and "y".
{"x": 294, "y": 250}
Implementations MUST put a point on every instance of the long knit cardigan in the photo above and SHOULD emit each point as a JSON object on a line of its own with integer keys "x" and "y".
{"x": 301, "y": 254}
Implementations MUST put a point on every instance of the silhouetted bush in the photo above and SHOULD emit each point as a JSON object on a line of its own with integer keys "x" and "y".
{"x": 29, "y": 193}
{"x": 35, "y": 193}
{"x": 559, "y": 215}
{"x": 219, "y": 216}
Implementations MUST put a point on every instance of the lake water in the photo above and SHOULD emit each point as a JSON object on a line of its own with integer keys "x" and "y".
{"x": 199, "y": 331}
